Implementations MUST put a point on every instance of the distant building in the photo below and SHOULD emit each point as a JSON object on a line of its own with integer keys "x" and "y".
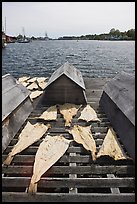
{"x": 3, "y": 39}
{"x": 10, "y": 39}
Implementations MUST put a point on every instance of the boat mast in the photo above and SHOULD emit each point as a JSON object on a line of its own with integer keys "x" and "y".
{"x": 23, "y": 31}
{"x": 5, "y": 25}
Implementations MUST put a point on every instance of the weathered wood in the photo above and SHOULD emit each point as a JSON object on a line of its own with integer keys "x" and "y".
{"x": 13, "y": 94}
{"x": 29, "y": 159}
{"x": 113, "y": 190}
{"x": 72, "y": 189}
{"x": 16, "y": 107}
{"x": 71, "y": 72}
{"x": 13, "y": 123}
{"x": 60, "y": 85}
{"x": 118, "y": 102}
{"x": 65, "y": 197}
{"x": 92, "y": 169}
{"x": 33, "y": 149}
{"x": 84, "y": 168}
{"x": 99, "y": 140}
{"x": 71, "y": 182}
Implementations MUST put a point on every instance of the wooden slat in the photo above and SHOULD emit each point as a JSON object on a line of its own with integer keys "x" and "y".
{"x": 33, "y": 150}
{"x": 14, "y": 141}
{"x": 93, "y": 169}
{"x": 113, "y": 190}
{"x": 29, "y": 159}
{"x": 72, "y": 182}
{"x": 73, "y": 176}
{"x": 64, "y": 197}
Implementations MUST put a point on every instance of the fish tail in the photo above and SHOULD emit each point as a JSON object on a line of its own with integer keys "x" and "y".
{"x": 8, "y": 160}
{"x": 94, "y": 156}
{"x": 32, "y": 188}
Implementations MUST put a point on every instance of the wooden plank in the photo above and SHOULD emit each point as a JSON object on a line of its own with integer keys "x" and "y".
{"x": 33, "y": 149}
{"x": 12, "y": 124}
{"x": 64, "y": 197}
{"x": 93, "y": 169}
{"x": 98, "y": 141}
{"x": 72, "y": 176}
{"x": 13, "y": 95}
{"x": 113, "y": 190}
{"x": 71, "y": 182}
{"x": 95, "y": 83}
{"x": 82, "y": 159}
{"x": 118, "y": 102}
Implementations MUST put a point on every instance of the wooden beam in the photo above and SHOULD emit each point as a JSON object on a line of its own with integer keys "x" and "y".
{"x": 64, "y": 197}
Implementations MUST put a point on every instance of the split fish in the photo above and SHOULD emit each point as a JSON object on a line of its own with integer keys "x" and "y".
{"x": 83, "y": 135}
{"x": 49, "y": 151}
{"x": 29, "y": 135}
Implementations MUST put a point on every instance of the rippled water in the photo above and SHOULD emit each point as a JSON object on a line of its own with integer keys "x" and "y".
{"x": 92, "y": 58}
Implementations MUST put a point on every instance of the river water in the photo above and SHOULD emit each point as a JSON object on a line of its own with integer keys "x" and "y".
{"x": 92, "y": 58}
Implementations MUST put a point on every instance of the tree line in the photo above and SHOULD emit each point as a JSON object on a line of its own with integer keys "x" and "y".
{"x": 114, "y": 34}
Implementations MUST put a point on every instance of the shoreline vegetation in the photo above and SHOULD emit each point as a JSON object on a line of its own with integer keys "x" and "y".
{"x": 114, "y": 34}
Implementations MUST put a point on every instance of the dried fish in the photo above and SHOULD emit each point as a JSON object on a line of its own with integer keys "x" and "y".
{"x": 35, "y": 94}
{"x": 49, "y": 151}
{"x": 88, "y": 114}
{"x": 49, "y": 114}
{"x": 24, "y": 83}
{"x": 83, "y": 135}
{"x": 42, "y": 82}
{"x": 32, "y": 86}
{"x": 68, "y": 110}
{"x": 32, "y": 79}
{"x": 29, "y": 135}
{"x": 42, "y": 85}
{"x": 41, "y": 79}
{"x": 24, "y": 78}
{"x": 111, "y": 147}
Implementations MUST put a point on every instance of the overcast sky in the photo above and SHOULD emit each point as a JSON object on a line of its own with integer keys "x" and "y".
{"x": 66, "y": 18}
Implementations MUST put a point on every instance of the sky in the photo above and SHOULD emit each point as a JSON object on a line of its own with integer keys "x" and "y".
{"x": 59, "y": 19}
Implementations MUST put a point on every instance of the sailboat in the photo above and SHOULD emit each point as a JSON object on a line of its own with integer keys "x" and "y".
{"x": 23, "y": 39}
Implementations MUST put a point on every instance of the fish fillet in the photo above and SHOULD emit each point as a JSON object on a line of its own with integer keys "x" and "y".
{"x": 88, "y": 114}
{"x": 41, "y": 79}
{"x": 42, "y": 84}
{"x": 68, "y": 110}
{"x": 24, "y": 78}
{"x": 49, "y": 114}
{"x": 35, "y": 94}
{"x": 49, "y": 151}
{"x": 24, "y": 83}
{"x": 83, "y": 135}
{"x": 32, "y": 86}
{"x": 111, "y": 147}
{"x": 32, "y": 79}
{"x": 29, "y": 135}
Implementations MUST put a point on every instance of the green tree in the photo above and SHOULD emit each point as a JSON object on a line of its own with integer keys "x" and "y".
{"x": 131, "y": 33}
{"x": 112, "y": 31}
